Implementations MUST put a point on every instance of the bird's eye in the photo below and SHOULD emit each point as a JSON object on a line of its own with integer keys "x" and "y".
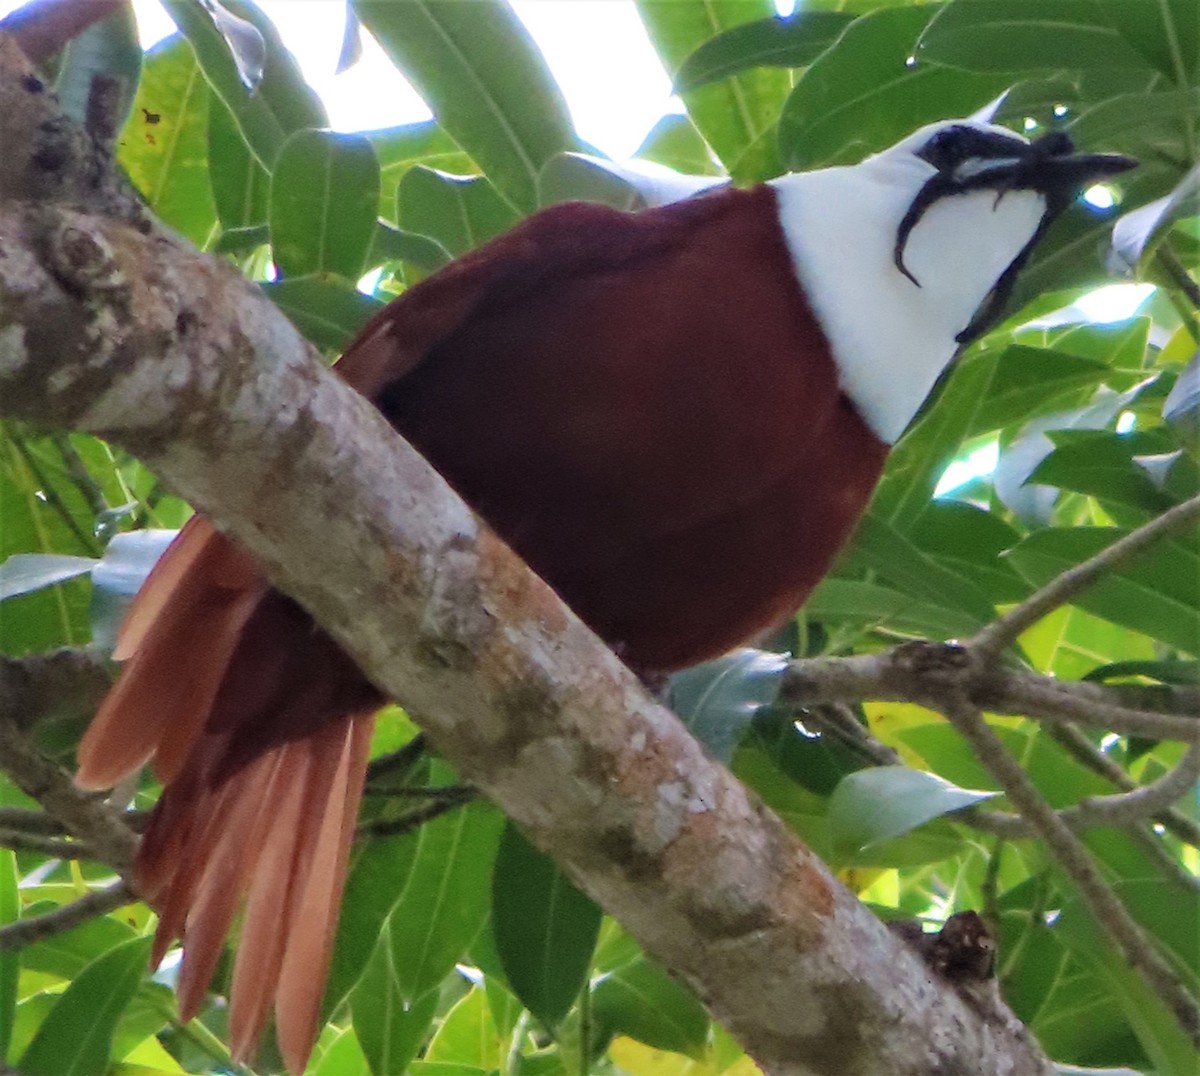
{"x": 947, "y": 149}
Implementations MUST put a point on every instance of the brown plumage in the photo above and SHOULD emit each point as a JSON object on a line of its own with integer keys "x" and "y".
{"x": 642, "y": 405}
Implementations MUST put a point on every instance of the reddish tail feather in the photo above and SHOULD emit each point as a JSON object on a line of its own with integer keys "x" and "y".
{"x": 262, "y": 754}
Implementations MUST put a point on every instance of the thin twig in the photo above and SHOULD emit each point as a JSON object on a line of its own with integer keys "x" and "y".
{"x": 84, "y": 815}
{"x": 1119, "y": 809}
{"x": 1148, "y": 800}
{"x": 410, "y": 820}
{"x": 77, "y": 471}
{"x": 59, "y": 683}
{"x": 402, "y": 759}
{"x": 1053, "y": 700}
{"x": 101, "y": 902}
{"x": 1172, "y": 820}
{"x": 1167, "y": 861}
{"x": 838, "y": 720}
{"x": 1073, "y": 857}
{"x": 1003, "y": 632}
{"x": 30, "y": 822}
{"x": 414, "y": 792}
{"x": 58, "y": 847}
{"x": 1177, "y": 271}
{"x": 54, "y": 500}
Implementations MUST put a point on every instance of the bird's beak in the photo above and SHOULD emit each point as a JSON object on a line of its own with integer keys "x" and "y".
{"x": 1048, "y": 165}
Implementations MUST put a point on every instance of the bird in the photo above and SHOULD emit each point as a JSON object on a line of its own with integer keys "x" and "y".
{"x": 676, "y": 417}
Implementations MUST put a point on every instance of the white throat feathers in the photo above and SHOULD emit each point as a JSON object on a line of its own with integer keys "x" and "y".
{"x": 891, "y": 339}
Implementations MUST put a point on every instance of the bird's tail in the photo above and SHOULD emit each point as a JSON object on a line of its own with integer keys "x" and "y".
{"x": 258, "y": 726}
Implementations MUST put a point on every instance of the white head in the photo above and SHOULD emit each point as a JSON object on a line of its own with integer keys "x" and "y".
{"x": 914, "y": 250}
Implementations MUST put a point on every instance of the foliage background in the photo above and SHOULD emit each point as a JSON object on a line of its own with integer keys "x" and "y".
{"x": 459, "y": 944}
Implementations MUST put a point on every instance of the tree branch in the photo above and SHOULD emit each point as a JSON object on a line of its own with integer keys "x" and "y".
{"x": 28, "y": 931}
{"x": 1003, "y": 632}
{"x": 1071, "y": 855}
{"x": 128, "y": 334}
{"x": 1174, "y": 821}
{"x": 83, "y": 814}
{"x": 1119, "y": 809}
{"x": 59, "y": 683}
{"x": 933, "y": 674}
{"x": 37, "y": 822}
{"x": 59, "y": 847}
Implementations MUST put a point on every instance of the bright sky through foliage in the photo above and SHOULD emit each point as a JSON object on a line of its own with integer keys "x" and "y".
{"x": 584, "y": 42}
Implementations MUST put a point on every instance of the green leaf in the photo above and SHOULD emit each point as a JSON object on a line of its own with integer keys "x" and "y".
{"x": 484, "y": 79}
{"x": 876, "y": 804}
{"x": 643, "y": 1001}
{"x": 344, "y": 1057}
{"x": 1031, "y": 380}
{"x": 1165, "y": 1042}
{"x": 545, "y": 929}
{"x": 390, "y": 1029}
{"x": 1071, "y": 643}
{"x": 164, "y": 145}
{"x": 920, "y": 458}
{"x": 468, "y": 1035}
{"x": 66, "y": 955}
{"x": 1070, "y": 1010}
{"x": 794, "y": 41}
{"x": 377, "y": 874}
{"x": 879, "y": 546}
{"x": 1101, "y": 464}
{"x": 1157, "y": 594}
{"x": 506, "y": 1009}
{"x": 256, "y": 114}
{"x": 327, "y": 310}
{"x": 1027, "y": 35}
{"x": 10, "y": 959}
{"x": 972, "y": 541}
{"x": 1122, "y": 344}
{"x": 292, "y": 100}
{"x": 675, "y": 143}
{"x": 404, "y": 147}
{"x": 444, "y": 1068}
{"x": 863, "y": 95}
{"x": 1165, "y": 33}
{"x": 247, "y": 47}
{"x": 445, "y": 899}
{"x": 580, "y": 177}
{"x": 42, "y": 511}
{"x": 1167, "y": 672}
{"x": 1072, "y": 254}
{"x": 872, "y": 605}
{"x": 735, "y": 115}
{"x": 242, "y": 242}
{"x": 716, "y": 700}
{"x": 75, "y": 1037}
{"x": 324, "y": 194}
{"x": 394, "y": 244}
{"x": 1170, "y": 912}
{"x": 460, "y": 212}
{"x": 241, "y": 186}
